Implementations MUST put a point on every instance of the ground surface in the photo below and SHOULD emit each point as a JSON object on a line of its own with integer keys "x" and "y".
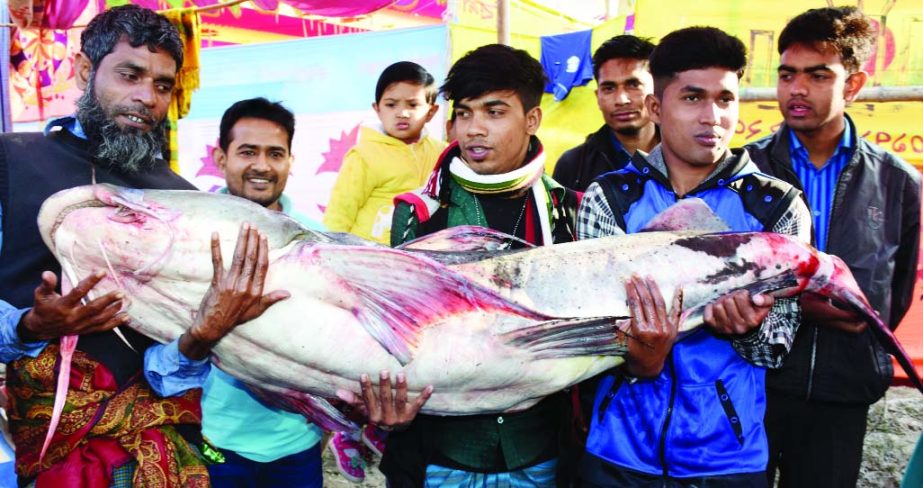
{"x": 895, "y": 423}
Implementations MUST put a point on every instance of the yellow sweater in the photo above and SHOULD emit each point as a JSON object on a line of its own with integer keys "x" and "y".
{"x": 374, "y": 171}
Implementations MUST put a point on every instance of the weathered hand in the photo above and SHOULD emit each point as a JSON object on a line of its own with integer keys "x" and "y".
{"x": 235, "y": 296}
{"x": 820, "y": 310}
{"x": 737, "y": 312}
{"x": 653, "y": 331}
{"x": 390, "y": 409}
{"x": 53, "y": 315}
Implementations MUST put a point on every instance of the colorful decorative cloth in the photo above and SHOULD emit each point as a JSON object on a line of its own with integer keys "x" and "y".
{"x": 46, "y": 14}
{"x": 104, "y": 428}
{"x": 187, "y": 80}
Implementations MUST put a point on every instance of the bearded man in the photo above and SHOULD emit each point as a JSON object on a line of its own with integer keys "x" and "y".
{"x": 132, "y": 414}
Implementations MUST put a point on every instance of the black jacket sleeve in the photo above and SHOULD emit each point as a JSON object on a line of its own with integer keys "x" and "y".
{"x": 565, "y": 170}
{"x": 905, "y": 261}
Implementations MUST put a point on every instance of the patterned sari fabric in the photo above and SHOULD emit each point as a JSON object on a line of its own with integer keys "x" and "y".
{"x": 103, "y": 427}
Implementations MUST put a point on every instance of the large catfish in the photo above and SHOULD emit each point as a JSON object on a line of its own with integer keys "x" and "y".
{"x": 492, "y": 330}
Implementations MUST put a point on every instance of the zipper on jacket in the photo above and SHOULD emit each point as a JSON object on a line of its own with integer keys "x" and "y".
{"x": 793, "y": 177}
{"x": 604, "y": 404}
{"x": 840, "y": 189}
{"x": 667, "y": 418}
{"x": 811, "y": 367}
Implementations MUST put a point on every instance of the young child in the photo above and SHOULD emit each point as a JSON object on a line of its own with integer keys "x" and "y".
{"x": 388, "y": 160}
{"x": 393, "y": 158}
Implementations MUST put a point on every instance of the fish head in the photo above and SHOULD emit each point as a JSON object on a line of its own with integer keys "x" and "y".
{"x": 114, "y": 229}
{"x": 834, "y": 280}
{"x": 137, "y": 235}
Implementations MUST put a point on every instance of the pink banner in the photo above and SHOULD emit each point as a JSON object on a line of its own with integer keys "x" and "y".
{"x": 433, "y": 9}
{"x": 49, "y": 14}
{"x": 338, "y": 8}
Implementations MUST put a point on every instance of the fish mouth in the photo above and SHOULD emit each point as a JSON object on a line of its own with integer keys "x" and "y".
{"x": 58, "y": 206}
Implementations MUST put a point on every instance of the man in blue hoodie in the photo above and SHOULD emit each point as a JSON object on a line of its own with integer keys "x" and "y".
{"x": 690, "y": 412}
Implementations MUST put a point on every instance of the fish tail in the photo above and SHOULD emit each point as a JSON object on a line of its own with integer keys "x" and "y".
{"x": 894, "y": 348}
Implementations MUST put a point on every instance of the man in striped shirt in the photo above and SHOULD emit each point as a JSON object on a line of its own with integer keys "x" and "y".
{"x": 865, "y": 203}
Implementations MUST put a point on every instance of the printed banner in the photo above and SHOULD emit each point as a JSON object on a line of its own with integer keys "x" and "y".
{"x": 328, "y": 82}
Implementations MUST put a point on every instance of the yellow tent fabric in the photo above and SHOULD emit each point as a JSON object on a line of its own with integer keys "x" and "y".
{"x": 565, "y": 123}
{"x": 187, "y": 80}
{"x": 898, "y": 61}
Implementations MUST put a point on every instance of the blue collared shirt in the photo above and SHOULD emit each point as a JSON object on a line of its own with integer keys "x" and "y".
{"x": 166, "y": 369}
{"x": 820, "y": 184}
{"x": 235, "y": 420}
{"x": 617, "y": 144}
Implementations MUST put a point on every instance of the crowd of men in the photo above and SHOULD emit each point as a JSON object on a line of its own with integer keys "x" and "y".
{"x": 768, "y": 386}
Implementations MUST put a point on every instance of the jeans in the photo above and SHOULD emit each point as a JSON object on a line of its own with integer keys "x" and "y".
{"x": 300, "y": 470}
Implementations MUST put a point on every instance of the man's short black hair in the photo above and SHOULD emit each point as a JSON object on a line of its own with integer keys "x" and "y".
{"x": 408, "y": 72}
{"x": 695, "y": 48}
{"x": 496, "y": 67}
{"x": 844, "y": 29}
{"x": 625, "y": 46}
{"x": 255, "y": 108}
{"x": 136, "y": 25}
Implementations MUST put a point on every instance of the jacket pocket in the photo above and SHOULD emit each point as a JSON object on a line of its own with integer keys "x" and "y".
{"x": 729, "y": 411}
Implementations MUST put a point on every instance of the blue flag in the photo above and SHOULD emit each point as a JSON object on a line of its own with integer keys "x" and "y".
{"x": 567, "y": 62}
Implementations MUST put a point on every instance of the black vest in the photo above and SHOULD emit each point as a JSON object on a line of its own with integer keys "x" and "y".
{"x": 32, "y": 168}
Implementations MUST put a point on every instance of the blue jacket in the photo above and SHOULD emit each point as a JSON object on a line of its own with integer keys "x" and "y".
{"x": 703, "y": 415}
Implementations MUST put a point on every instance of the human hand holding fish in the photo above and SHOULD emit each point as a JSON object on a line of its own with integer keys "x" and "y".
{"x": 738, "y": 312}
{"x": 235, "y": 296}
{"x": 390, "y": 409}
{"x": 823, "y": 311}
{"x": 54, "y": 315}
{"x": 653, "y": 332}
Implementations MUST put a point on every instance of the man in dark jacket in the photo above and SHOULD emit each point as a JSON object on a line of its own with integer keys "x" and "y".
{"x": 866, "y": 208}
{"x": 132, "y": 412}
{"x": 623, "y": 78}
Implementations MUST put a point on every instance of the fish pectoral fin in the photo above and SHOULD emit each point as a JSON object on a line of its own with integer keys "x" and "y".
{"x": 780, "y": 286}
{"x": 784, "y": 284}
{"x": 316, "y": 409}
{"x": 572, "y": 337}
{"x": 688, "y": 214}
{"x": 466, "y": 238}
{"x": 400, "y": 294}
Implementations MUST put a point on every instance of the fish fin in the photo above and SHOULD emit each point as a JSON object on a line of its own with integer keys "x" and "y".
{"x": 689, "y": 214}
{"x": 393, "y": 308}
{"x": 465, "y": 238}
{"x": 67, "y": 346}
{"x": 565, "y": 338}
{"x": 781, "y": 285}
{"x": 316, "y": 409}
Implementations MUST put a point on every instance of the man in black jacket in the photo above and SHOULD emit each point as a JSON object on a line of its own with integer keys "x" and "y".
{"x": 621, "y": 69}
{"x": 132, "y": 410}
{"x": 866, "y": 208}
